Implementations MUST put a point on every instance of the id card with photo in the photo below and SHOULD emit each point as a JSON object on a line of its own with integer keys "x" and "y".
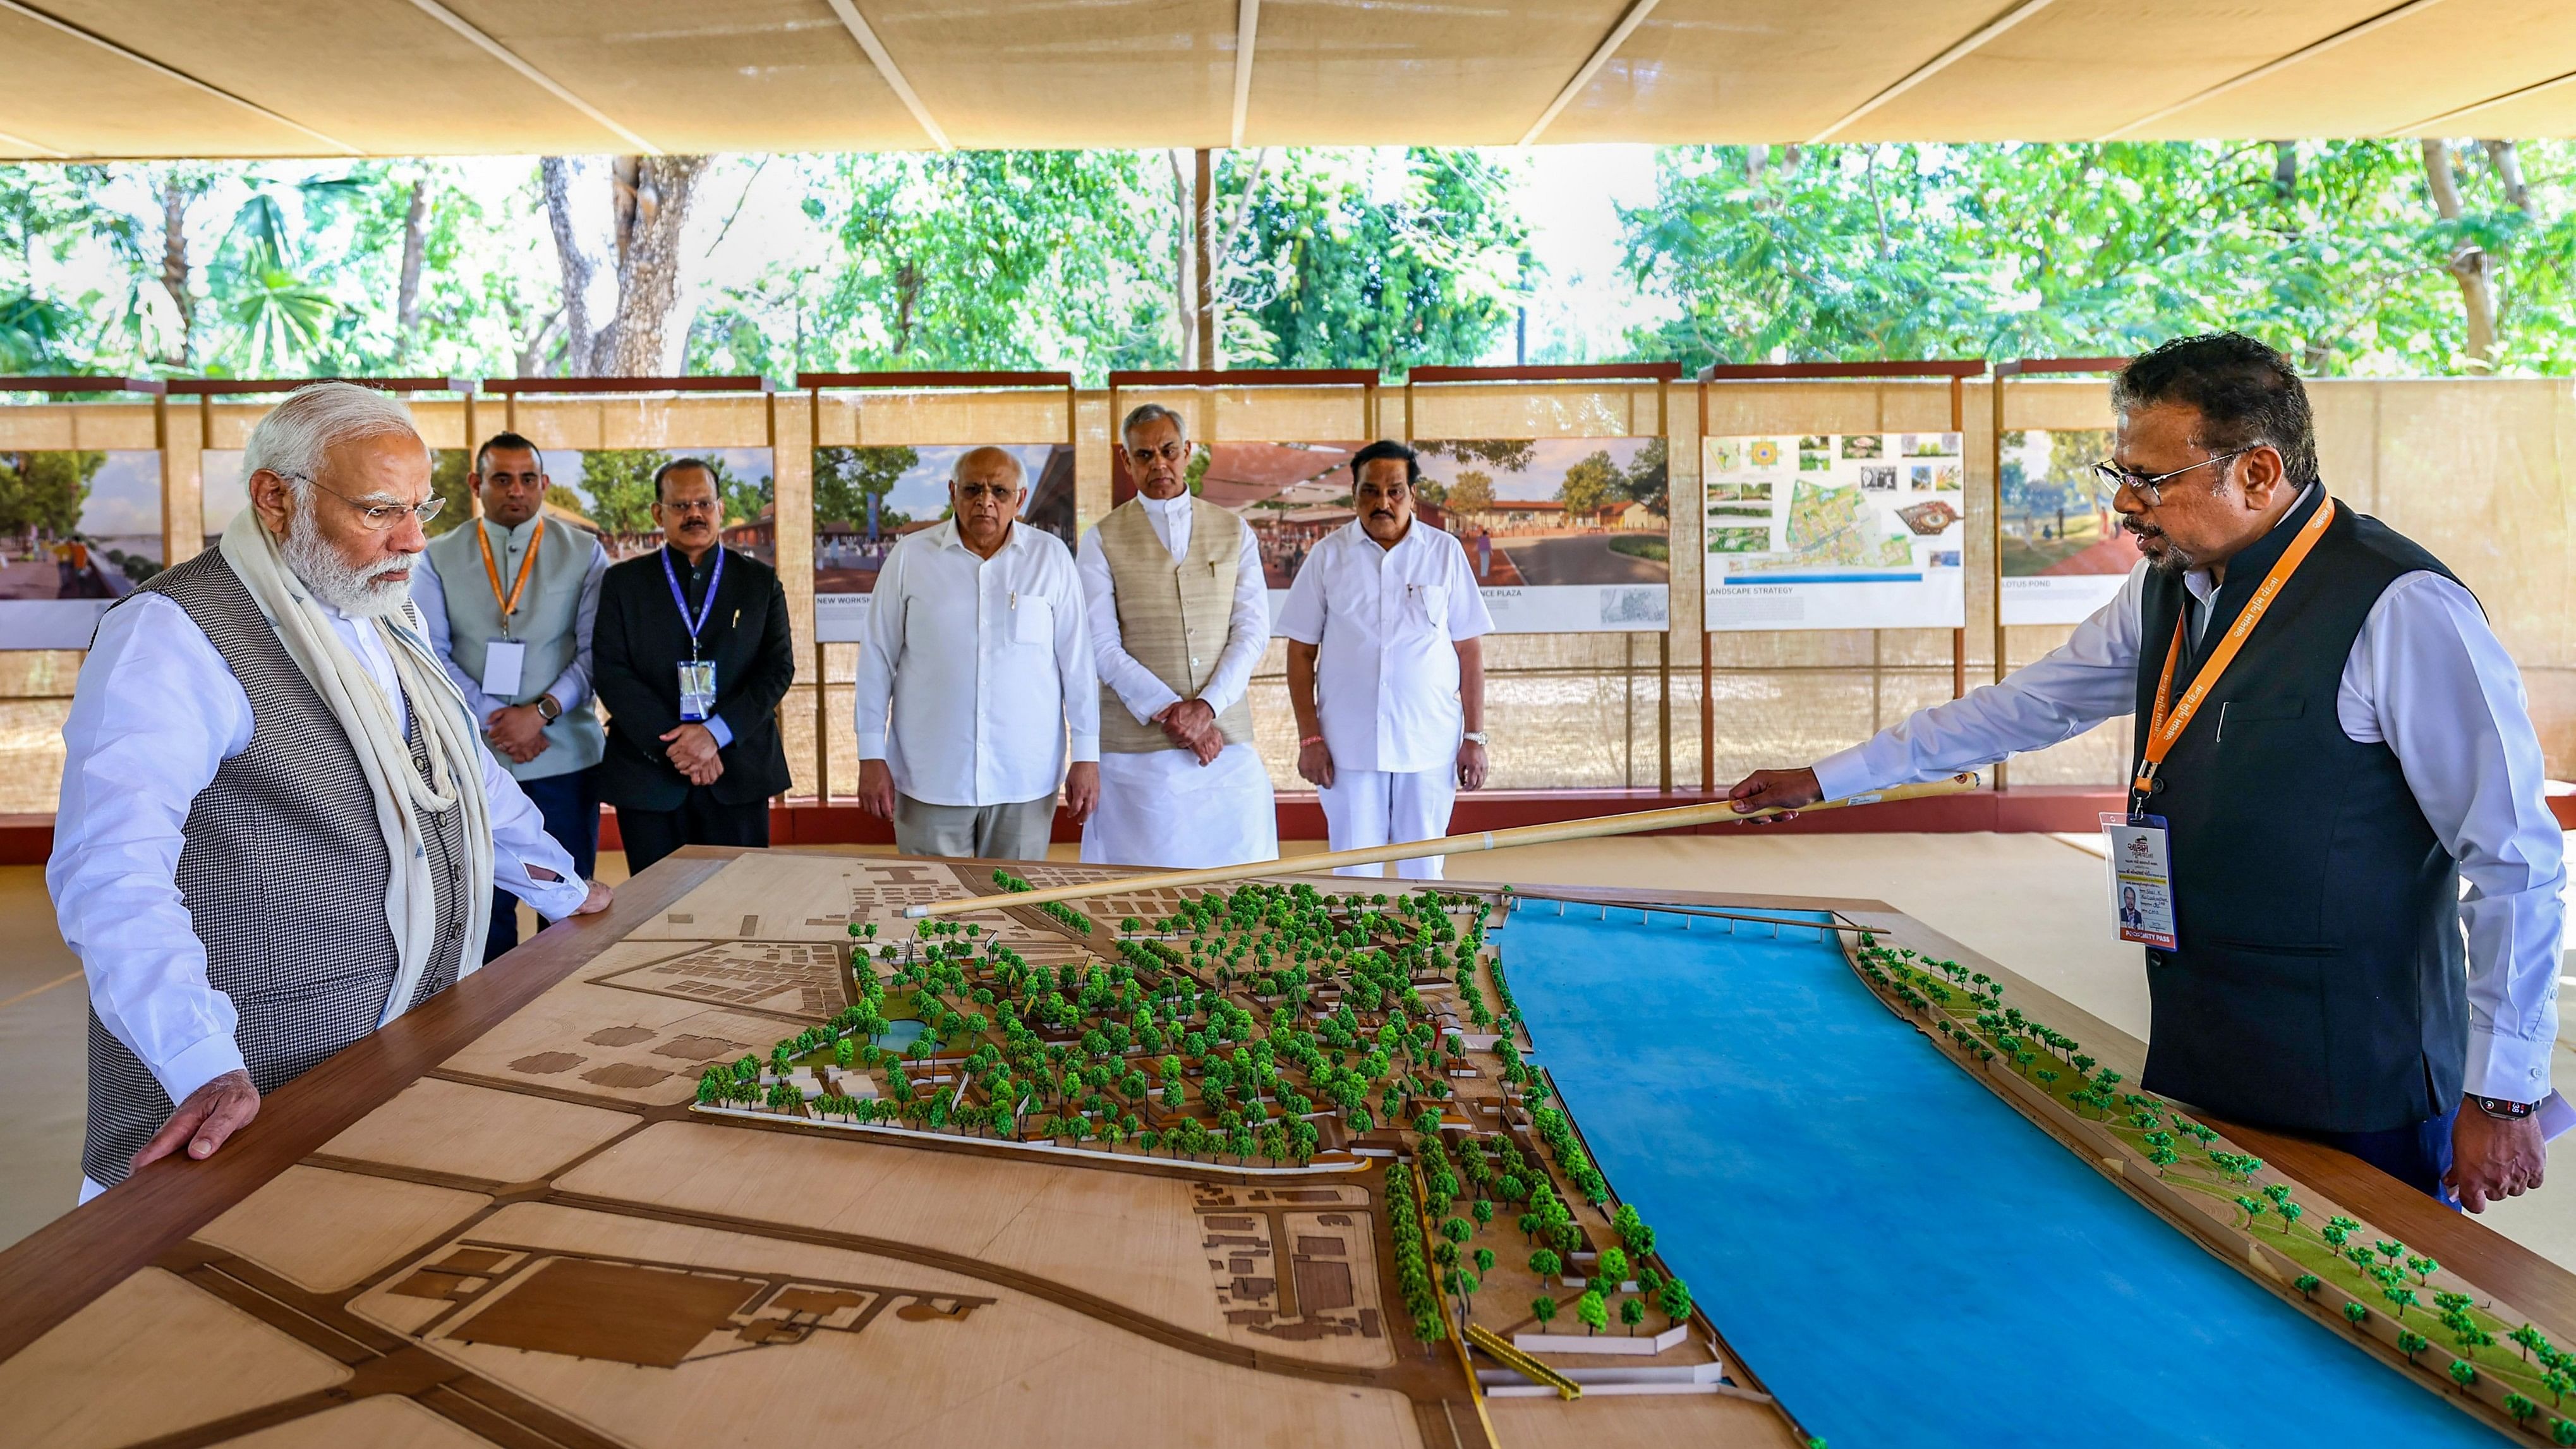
{"x": 2142, "y": 906}
{"x": 503, "y": 662}
{"x": 697, "y": 688}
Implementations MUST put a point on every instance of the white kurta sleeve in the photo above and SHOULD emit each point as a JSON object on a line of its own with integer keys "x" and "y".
{"x": 2092, "y": 677}
{"x": 1078, "y": 675}
{"x": 519, "y": 840}
{"x": 880, "y": 645}
{"x": 155, "y": 714}
{"x": 2447, "y": 699}
{"x": 1247, "y": 628}
{"x": 1136, "y": 686}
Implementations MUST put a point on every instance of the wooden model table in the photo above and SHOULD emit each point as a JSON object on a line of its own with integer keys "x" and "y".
{"x": 510, "y": 1218}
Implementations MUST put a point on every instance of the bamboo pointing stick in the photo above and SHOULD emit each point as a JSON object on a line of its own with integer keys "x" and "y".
{"x": 1714, "y": 812}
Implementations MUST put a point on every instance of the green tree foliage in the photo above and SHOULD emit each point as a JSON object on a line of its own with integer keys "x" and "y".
{"x": 977, "y": 259}
{"x": 1885, "y": 251}
{"x": 42, "y": 492}
{"x": 1339, "y": 268}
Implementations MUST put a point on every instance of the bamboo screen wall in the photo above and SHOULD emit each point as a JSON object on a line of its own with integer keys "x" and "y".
{"x": 2476, "y": 470}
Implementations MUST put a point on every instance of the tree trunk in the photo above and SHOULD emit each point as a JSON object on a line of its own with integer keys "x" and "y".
{"x": 2508, "y": 169}
{"x": 1203, "y": 246}
{"x": 653, "y": 195}
{"x": 649, "y": 199}
{"x": 2470, "y": 265}
{"x": 175, "y": 267}
{"x": 560, "y": 176}
{"x": 2285, "y": 170}
{"x": 1184, "y": 275}
{"x": 415, "y": 238}
{"x": 1754, "y": 159}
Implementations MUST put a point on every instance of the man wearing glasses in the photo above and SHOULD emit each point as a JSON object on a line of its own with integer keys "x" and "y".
{"x": 691, "y": 654}
{"x": 2329, "y": 738}
{"x": 279, "y": 828}
{"x": 975, "y": 693}
{"x": 509, "y": 599}
{"x": 1179, "y": 617}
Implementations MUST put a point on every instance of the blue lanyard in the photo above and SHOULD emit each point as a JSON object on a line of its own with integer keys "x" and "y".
{"x": 706, "y": 609}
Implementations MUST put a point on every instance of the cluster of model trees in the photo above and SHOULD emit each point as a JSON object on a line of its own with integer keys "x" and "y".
{"x": 1412, "y": 1275}
{"x": 2381, "y": 1269}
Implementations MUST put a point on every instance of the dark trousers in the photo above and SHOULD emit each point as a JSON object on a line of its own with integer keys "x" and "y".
{"x": 701, "y": 820}
{"x": 570, "y": 805}
{"x": 2416, "y": 1155}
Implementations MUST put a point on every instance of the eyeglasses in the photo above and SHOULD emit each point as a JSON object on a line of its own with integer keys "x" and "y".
{"x": 1171, "y": 452}
{"x": 2108, "y": 478}
{"x": 381, "y": 516}
{"x": 998, "y": 492}
{"x": 688, "y": 507}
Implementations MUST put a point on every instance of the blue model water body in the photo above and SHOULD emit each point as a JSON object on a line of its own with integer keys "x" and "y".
{"x": 1902, "y": 1257}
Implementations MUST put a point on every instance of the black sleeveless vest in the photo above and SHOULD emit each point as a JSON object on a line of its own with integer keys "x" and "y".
{"x": 2320, "y": 984}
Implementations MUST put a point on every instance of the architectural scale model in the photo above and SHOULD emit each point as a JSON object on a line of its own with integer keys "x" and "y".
{"x": 762, "y": 1161}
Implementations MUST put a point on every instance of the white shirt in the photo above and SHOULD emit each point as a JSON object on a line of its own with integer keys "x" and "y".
{"x": 1386, "y": 623}
{"x": 984, "y": 666}
{"x": 1247, "y": 631}
{"x": 2428, "y": 678}
{"x": 155, "y": 713}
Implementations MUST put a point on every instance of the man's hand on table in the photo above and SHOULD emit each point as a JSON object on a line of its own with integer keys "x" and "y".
{"x": 210, "y": 1116}
{"x": 2494, "y": 1157}
{"x": 1786, "y": 790}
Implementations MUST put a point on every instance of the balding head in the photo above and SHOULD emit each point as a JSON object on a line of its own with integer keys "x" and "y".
{"x": 985, "y": 494}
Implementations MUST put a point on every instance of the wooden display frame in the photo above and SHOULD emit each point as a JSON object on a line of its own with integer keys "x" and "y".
{"x": 1957, "y": 370}
{"x": 814, "y": 385}
{"x": 1663, "y": 375}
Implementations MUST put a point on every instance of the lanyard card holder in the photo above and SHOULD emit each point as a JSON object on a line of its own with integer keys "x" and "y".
{"x": 697, "y": 689}
{"x": 2142, "y": 905}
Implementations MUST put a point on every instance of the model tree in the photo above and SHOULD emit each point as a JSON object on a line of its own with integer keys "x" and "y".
{"x": 1545, "y": 1263}
{"x": 1543, "y": 1308}
{"x": 1594, "y": 1312}
{"x": 1632, "y": 1311}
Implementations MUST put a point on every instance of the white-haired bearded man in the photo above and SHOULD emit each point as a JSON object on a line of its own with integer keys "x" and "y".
{"x": 279, "y": 826}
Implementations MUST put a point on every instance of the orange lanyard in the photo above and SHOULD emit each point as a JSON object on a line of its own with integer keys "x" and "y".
{"x": 2169, "y": 720}
{"x": 492, "y": 569}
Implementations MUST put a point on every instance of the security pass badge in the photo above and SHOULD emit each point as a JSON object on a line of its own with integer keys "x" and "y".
{"x": 2141, "y": 879}
{"x": 697, "y": 689}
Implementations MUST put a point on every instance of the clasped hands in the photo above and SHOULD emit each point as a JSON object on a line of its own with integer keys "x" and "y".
{"x": 517, "y": 732}
{"x": 1190, "y": 724}
{"x": 692, "y": 750}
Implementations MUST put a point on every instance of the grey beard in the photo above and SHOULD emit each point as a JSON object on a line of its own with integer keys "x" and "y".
{"x": 352, "y": 591}
{"x": 2175, "y": 561}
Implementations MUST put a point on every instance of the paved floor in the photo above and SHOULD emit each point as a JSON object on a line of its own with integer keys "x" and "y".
{"x": 2033, "y": 902}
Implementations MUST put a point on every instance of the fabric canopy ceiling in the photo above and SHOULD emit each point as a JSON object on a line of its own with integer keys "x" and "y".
{"x": 143, "y": 78}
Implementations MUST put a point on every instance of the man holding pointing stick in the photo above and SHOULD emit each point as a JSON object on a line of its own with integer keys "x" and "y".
{"x": 2329, "y": 737}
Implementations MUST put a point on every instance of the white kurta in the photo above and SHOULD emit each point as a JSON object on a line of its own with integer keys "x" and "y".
{"x": 1385, "y": 623}
{"x": 1162, "y": 807}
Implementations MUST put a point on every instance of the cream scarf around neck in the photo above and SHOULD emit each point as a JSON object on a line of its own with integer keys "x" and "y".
{"x": 403, "y": 800}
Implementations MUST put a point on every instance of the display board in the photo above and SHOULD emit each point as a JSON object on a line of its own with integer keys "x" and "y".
{"x": 1565, "y": 535}
{"x": 1835, "y": 531}
{"x": 867, "y": 498}
{"x": 78, "y": 530}
{"x": 2064, "y": 552}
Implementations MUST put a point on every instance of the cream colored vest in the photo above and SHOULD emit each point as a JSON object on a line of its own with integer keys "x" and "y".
{"x": 1171, "y": 616}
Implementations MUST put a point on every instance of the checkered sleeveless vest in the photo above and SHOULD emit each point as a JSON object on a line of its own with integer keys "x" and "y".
{"x": 283, "y": 871}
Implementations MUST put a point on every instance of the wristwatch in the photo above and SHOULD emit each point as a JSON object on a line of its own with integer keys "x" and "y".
{"x": 1474, "y": 737}
{"x": 547, "y": 709}
{"x": 2499, "y": 1107}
